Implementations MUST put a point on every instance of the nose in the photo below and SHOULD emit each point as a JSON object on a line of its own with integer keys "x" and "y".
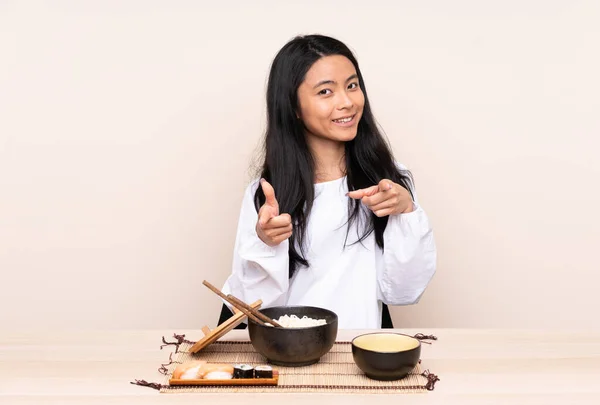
{"x": 345, "y": 102}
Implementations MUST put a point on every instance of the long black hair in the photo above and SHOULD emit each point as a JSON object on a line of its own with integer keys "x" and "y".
{"x": 288, "y": 164}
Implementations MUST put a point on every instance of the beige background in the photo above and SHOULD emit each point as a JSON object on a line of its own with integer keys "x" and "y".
{"x": 127, "y": 131}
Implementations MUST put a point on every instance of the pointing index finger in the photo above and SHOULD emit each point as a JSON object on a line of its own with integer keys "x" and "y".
{"x": 363, "y": 192}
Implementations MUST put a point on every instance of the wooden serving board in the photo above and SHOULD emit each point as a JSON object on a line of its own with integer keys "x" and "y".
{"x": 231, "y": 382}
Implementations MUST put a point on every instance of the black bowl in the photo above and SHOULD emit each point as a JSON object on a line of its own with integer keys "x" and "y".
{"x": 294, "y": 347}
{"x": 386, "y": 356}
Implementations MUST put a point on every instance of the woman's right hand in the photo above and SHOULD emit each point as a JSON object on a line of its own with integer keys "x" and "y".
{"x": 271, "y": 227}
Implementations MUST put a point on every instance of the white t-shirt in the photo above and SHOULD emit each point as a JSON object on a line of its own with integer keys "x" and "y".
{"x": 351, "y": 282}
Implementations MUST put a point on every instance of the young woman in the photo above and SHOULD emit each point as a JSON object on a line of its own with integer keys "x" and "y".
{"x": 333, "y": 221}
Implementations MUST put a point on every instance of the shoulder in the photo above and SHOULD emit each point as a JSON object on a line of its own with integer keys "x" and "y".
{"x": 248, "y": 205}
{"x": 251, "y": 188}
{"x": 404, "y": 172}
{"x": 401, "y": 167}
{"x": 253, "y": 185}
{"x": 406, "y": 177}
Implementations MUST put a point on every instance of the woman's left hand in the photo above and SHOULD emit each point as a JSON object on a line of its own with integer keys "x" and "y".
{"x": 384, "y": 199}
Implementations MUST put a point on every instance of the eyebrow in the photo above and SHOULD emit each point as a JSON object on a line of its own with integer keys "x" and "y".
{"x": 322, "y": 82}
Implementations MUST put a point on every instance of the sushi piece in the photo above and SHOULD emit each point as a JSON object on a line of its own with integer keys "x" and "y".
{"x": 196, "y": 370}
{"x": 243, "y": 371}
{"x": 263, "y": 372}
{"x": 218, "y": 375}
{"x": 188, "y": 371}
{"x": 215, "y": 372}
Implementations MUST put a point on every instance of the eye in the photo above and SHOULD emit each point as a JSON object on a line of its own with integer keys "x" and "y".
{"x": 324, "y": 92}
{"x": 353, "y": 86}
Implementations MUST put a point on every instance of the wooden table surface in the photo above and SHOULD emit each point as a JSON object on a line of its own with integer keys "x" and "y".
{"x": 475, "y": 367}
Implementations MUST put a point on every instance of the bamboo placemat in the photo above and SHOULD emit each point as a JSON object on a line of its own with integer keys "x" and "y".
{"x": 336, "y": 372}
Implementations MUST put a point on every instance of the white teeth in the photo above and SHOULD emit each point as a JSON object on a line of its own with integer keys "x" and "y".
{"x": 344, "y": 120}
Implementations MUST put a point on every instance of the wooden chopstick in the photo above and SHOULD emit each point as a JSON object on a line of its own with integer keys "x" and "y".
{"x": 256, "y": 313}
{"x": 244, "y": 310}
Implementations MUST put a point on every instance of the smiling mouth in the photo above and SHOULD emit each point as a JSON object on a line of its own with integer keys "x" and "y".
{"x": 344, "y": 120}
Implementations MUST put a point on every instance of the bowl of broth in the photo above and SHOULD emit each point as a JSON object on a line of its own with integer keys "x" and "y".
{"x": 386, "y": 356}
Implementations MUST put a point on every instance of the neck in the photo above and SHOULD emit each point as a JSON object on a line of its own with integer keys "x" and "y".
{"x": 328, "y": 157}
